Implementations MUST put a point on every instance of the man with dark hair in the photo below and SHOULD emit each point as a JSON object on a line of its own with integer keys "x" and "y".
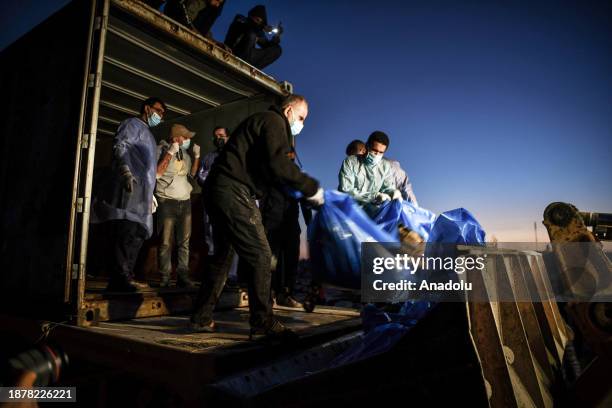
{"x": 378, "y": 137}
{"x": 246, "y": 37}
{"x": 220, "y": 138}
{"x": 369, "y": 179}
{"x": 402, "y": 182}
{"x": 356, "y": 147}
{"x": 199, "y": 15}
{"x": 128, "y": 200}
{"x": 254, "y": 158}
{"x": 150, "y": 102}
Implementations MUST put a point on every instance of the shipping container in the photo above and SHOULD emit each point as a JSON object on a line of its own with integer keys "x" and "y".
{"x": 68, "y": 84}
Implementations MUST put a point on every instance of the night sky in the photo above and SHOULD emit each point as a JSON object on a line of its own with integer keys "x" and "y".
{"x": 498, "y": 107}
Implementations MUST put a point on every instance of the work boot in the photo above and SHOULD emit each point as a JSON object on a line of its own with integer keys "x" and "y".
{"x": 125, "y": 285}
{"x": 274, "y": 330}
{"x": 284, "y": 298}
{"x": 202, "y": 327}
{"x": 164, "y": 282}
{"x": 183, "y": 281}
{"x": 232, "y": 283}
{"x": 140, "y": 285}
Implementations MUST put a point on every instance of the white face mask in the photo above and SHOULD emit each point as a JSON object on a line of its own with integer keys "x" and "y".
{"x": 154, "y": 119}
{"x": 296, "y": 125}
{"x": 372, "y": 159}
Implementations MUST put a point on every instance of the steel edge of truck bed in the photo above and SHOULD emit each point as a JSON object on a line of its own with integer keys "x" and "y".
{"x": 202, "y": 44}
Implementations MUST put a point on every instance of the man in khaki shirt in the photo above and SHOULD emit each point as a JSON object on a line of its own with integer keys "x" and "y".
{"x": 177, "y": 160}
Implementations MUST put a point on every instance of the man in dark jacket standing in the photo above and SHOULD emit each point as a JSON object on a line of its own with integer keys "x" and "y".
{"x": 254, "y": 158}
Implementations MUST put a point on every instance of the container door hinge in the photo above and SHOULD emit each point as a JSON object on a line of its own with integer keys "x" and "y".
{"x": 85, "y": 141}
{"x": 93, "y": 80}
{"x": 101, "y": 21}
{"x": 79, "y": 205}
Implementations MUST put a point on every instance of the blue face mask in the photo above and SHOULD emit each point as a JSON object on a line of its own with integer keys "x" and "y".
{"x": 185, "y": 145}
{"x": 154, "y": 119}
{"x": 372, "y": 159}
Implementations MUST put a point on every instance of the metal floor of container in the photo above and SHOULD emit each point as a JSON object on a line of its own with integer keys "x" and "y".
{"x": 103, "y": 306}
{"x": 162, "y": 349}
{"x": 232, "y": 327}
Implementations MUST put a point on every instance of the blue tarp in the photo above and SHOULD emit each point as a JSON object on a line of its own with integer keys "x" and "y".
{"x": 395, "y": 212}
{"x": 340, "y": 226}
{"x": 335, "y": 237}
{"x": 383, "y": 330}
{"x": 457, "y": 226}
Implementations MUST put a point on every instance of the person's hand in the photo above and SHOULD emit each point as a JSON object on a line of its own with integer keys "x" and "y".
{"x": 127, "y": 179}
{"x": 318, "y": 199}
{"x": 196, "y": 150}
{"x": 382, "y": 197}
{"x": 174, "y": 148}
{"x": 24, "y": 379}
{"x": 397, "y": 195}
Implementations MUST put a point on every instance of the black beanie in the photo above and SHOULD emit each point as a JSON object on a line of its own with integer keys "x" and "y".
{"x": 259, "y": 11}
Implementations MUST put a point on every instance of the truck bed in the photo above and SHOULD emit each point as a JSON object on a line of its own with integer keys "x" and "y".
{"x": 232, "y": 326}
{"x": 162, "y": 351}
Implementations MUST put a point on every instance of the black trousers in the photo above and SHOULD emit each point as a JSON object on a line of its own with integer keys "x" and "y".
{"x": 258, "y": 57}
{"x": 238, "y": 228}
{"x": 281, "y": 220}
{"x": 128, "y": 237}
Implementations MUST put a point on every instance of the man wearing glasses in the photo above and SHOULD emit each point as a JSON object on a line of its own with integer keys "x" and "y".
{"x": 127, "y": 201}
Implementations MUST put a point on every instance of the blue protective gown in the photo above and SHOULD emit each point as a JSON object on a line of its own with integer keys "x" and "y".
{"x": 363, "y": 181}
{"x": 134, "y": 146}
{"x": 402, "y": 182}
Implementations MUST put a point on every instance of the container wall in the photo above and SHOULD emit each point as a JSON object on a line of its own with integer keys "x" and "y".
{"x": 203, "y": 123}
{"x": 41, "y": 78}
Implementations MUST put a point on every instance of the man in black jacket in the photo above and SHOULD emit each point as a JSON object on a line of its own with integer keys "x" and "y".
{"x": 254, "y": 158}
{"x": 199, "y": 15}
{"x": 247, "y": 39}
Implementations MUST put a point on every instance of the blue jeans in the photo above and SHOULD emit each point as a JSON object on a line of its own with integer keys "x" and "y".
{"x": 173, "y": 226}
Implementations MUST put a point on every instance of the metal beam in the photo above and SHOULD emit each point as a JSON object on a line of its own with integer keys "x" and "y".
{"x": 150, "y": 77}
{"x": 108, "y": 120}
{"x": 120, "y": 108}
{"x": 181, "y": 64}
{"x": 200, "y": 44}
{"x": 141, "y": 97}
{"x": 106, "y": 132}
